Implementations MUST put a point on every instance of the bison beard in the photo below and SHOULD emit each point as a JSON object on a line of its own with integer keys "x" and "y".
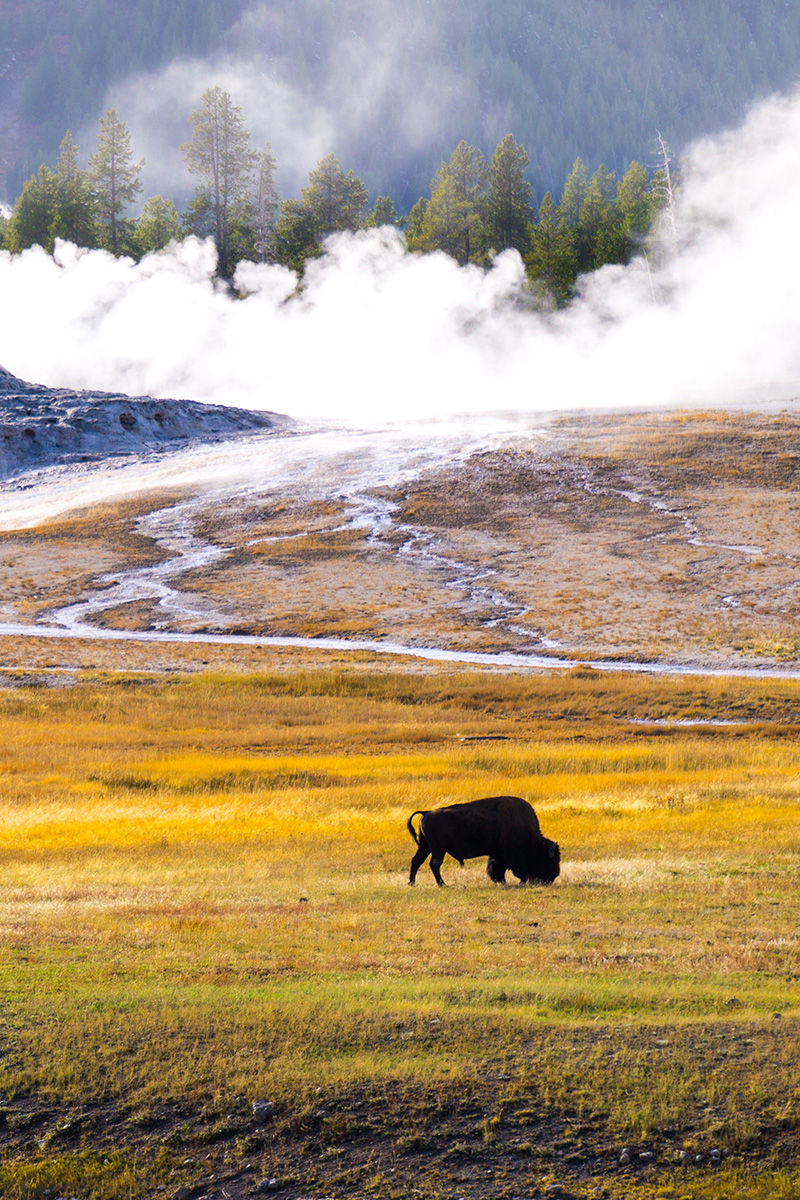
{"x": 503, "y": 827}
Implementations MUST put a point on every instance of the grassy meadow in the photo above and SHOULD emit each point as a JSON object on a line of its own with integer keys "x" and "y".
{"x": 204, "y": 903}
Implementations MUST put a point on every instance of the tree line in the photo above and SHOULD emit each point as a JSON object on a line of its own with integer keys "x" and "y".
{"x": 476, "y": 208}
{"x": 581, "y": 77}
{"x": 76, "y": 49}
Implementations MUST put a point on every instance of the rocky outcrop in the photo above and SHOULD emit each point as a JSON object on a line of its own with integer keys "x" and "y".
{"x": 42, "y": 426}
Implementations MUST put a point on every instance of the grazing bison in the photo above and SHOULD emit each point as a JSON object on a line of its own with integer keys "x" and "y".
{"x": 504, "y": 827}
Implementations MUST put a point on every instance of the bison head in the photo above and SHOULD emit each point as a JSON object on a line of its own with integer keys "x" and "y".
{"x": 544, "y": 862}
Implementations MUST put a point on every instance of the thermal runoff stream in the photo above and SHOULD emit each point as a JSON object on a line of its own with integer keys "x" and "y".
{"x": 350, "y": 468}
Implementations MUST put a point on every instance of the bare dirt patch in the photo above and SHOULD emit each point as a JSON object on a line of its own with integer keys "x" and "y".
{"x": 652, "y": 536}
{"x": 667, "y": 536}
{"x": 57, "y": 562}
{"x": 648, "y": 535}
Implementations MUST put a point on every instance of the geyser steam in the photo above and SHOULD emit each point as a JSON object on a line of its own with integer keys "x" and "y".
{"x": 380, "y": 335}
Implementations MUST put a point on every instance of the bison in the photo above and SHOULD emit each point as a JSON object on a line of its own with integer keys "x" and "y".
{"x": 504, "y": 827}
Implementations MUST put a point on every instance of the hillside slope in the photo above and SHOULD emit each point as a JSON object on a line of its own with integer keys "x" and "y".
{"x": 400, "y": 85}
{"x": 58, "y": 58}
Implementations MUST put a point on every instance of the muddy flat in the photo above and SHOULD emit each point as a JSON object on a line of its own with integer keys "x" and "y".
{"x": 659, "y": 537}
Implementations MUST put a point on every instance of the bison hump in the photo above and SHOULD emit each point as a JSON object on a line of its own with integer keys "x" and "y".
{"x": 511, "y": 810}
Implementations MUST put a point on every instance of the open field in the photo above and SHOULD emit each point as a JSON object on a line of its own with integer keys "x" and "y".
{"x": 203, "y": 904}
{"x": 203, "y": 898}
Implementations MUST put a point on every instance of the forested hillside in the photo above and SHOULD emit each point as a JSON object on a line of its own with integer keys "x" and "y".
{"x": 401, "y": 84}
{"x": 58, "y": 57}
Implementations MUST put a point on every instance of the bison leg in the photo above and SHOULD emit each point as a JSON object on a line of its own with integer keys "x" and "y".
{"x": 436, "y": 863}
{"x": 419, "y": 858}
{"x": 496, "y": 871}
{"x": 523, "y": 875}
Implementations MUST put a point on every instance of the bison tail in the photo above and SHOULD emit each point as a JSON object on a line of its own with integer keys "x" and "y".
{"x": 409, "y": 826}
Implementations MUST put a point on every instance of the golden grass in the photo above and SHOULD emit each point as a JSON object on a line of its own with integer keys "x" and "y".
{"x": 204, "y": 897}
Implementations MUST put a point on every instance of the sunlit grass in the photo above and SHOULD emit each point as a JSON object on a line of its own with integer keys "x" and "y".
{"x": 204, "y": 897}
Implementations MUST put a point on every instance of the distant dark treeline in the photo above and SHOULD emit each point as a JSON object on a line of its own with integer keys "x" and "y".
{"x": 78, "y": 48}
{"x": 588, "y": 78}
{"x": 475, "y": 209}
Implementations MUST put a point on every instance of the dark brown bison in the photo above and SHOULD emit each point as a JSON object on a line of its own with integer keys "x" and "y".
{"x": 504, "y": 827}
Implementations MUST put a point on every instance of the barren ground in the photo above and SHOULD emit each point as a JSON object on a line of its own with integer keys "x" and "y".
{"x": 660, "y": 536}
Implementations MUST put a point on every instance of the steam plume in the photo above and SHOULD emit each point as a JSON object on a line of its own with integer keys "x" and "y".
{"x": 380, "y": 334}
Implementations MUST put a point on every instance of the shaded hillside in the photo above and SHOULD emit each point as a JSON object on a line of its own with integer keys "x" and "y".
{"x": 58, "y": 57}
{"x": 402, "y": 85}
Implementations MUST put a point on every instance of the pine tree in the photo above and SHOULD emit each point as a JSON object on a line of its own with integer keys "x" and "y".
{"x": 220, "y": 155}
{"x": 598, "y": 222}
{"x": 335, "y": 200}
{"x": 74, "y": 218}
{"x": 265, "y": 207}
{"x": 446, "y": 223}
{"x": 508, "y": 201}
{"x": 35, "y": 212}
{"x": 637, "y": 206}
{"x": 552, "y": 262}
{"x": 158, "y": 225}
{"x": 115, "y": 178}
{"x": 383, "y": 213}
{"x": 636, "y": 201}
{"x": 415, "y": 223}
{"x": 574, "y": 193}
{"x": 454, "y": 216}
{"x": 295, "y": 235}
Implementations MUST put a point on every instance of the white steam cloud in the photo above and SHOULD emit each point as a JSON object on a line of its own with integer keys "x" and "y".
{"x": 377, "y": 334}
{"x": 375, "y": 79}
{"x": 157, "y": 109}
